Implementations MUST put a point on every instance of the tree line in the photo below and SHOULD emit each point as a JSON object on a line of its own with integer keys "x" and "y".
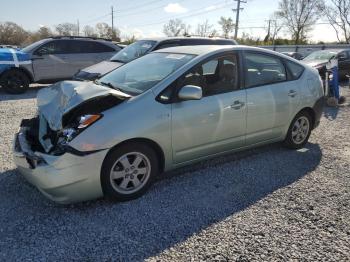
{"x": 294, "y": 18}
{"x": 13, "y": 34}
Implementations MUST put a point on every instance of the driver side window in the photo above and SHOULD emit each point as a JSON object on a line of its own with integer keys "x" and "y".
{"x": 53, "y": 47}
{"x": 216, "y": 76}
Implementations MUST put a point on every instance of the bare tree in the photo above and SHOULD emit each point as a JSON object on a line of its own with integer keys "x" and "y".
{"x": 206, "y": 30}
{"x": 227, "y": 25}
{"x": 274, "y": 26}
{"x": 44, "y": 32}
{"x": 175, "y": 27}
{"x": 338, "y": 15}
{"x": 299, "y": 16}
{"x": 89, "y": 31}
{"x": 67, "y": 29}
{"x": 186, "y": 31}
{"x": 105, "y": 31}
{"x": 12, "y": 34}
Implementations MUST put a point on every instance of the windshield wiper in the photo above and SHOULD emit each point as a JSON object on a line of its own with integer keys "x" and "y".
{"x": 118, "y": 61}
{"x": 109, "y": 84}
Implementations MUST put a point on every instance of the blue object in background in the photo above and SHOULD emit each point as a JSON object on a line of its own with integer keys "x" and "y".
{"x": 335, "y": 83}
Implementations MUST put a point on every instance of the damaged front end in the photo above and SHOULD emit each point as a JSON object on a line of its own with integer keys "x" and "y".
{"x": 41, "y": 148}
{"x": 64, "y": 111}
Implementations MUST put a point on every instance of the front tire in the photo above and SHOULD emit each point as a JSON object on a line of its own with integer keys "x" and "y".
{"x": 14, "y": 81}
{"x": 299, "y": 131}
{"x": 128, "y": 171}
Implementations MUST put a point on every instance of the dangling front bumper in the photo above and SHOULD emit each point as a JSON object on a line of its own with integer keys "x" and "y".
{"x": 67, "y": 178}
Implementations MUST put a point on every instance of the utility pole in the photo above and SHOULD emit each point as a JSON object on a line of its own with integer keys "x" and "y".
{"x": 267, "y": 37}
{"x": 78, "y": 27}
{"x": 112, "y": 22}
{"x": 237, "y": 10}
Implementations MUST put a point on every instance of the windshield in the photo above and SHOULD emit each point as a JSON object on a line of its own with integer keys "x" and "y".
{"x": 142, "y": 74}
{"x": 133, "y": 51}
{"x": 320, "y": 55}
{"x": 32, "y": 46}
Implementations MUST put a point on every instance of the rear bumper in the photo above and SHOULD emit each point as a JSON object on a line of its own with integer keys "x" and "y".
{"x": 318, "y": 109}
{"x": 64, "y": 179}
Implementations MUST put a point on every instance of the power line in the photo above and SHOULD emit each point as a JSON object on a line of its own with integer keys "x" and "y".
{"x": 140, "y": 6}
{"x": 112, "y": 19}
{"x": 97, "y": 18}
{"x": 204, "y": 11}
{"x": 146, "y": 10}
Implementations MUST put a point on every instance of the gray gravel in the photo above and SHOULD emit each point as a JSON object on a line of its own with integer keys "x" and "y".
{"x": 263, "y": 204}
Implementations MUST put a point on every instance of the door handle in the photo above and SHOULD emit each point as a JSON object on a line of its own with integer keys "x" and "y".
{"x": 237, "y": 105}
{"x": 292, "y": 93}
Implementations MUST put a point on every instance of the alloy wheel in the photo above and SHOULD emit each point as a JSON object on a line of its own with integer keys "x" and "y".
{"x": 300, "y": 130}
{"x": 130, "y": 173}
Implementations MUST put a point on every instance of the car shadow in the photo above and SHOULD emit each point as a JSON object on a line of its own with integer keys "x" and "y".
{"x": 179, "y": 205}
{"x": 331, "y": 113}
{"x": 29, "y": 94}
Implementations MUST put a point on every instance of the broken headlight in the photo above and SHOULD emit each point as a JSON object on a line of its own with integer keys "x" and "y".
{"x": 71, "y": 131}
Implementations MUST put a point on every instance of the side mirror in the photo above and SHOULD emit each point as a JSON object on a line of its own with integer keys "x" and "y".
{"x": 38, "y": 53}
{"x": 190, "y": 92}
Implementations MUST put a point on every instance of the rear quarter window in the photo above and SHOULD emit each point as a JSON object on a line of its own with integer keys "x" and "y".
{"x": 295, "y": 70}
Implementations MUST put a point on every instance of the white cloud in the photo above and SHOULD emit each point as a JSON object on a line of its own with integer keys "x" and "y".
{"x": 175, "y": 8}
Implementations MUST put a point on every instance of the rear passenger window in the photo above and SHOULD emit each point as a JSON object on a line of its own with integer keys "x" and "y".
{"x": 263, "y": 69}
{"x": 294, "y": 69}
{"x": 86, "y": 47}
{"x": 101, "y": 48}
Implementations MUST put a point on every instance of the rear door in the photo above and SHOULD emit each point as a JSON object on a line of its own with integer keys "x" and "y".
{"x": 271, "y": 99}
{"x": 84, "y": 53}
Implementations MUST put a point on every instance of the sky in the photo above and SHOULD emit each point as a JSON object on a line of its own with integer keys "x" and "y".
{"x": 145, "y": 18}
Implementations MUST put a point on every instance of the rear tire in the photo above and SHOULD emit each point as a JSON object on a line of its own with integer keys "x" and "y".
{"x": 128, "y": 171}
{"x": 299, "y": 131}
{"x": 14, "y": 81}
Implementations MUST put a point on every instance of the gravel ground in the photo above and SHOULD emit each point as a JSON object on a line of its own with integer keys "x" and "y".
{"x": 263, "y": 204}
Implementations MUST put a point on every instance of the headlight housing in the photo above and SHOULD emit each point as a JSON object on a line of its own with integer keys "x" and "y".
{"x": 71, "y": 131}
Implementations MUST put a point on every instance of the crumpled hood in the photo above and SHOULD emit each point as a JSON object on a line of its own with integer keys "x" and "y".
{"x": 102, "y": 68}
{"x": 58, "y": 99}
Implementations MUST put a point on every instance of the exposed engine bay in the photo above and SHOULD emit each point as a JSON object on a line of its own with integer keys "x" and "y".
{"x": 44, "y": 139}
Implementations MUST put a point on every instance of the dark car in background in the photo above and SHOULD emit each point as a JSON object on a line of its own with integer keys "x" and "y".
{"x": 50, "y": 60}
{"x": 319, "y": 59}
{"x": 142, "y": 47}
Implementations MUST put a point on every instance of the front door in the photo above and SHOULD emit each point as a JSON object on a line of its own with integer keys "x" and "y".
{"x": 215, "y": 123}
{"x": 51, "y": 61}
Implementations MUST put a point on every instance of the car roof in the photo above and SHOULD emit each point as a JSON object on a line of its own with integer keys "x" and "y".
{"x": 334, "y": 50}
{"x": 160, "y": 39}
{"x": 205, "y": 49}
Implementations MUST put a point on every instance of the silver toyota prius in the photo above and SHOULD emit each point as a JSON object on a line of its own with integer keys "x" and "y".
{"x": 167, "y": 109}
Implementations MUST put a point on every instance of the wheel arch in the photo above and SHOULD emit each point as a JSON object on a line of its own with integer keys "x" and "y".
{"x": 22, "y": 69}
{"x": 311, "y": 112}
{"x": 151, "y": 143}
